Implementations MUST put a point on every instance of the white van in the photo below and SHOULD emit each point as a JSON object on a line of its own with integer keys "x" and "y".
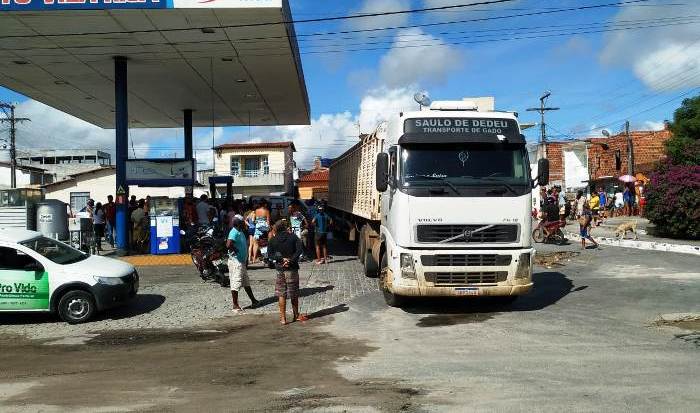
{"x": 39, "y": 274}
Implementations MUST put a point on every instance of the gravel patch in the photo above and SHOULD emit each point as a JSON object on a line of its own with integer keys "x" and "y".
{"x": 175, "y": 297}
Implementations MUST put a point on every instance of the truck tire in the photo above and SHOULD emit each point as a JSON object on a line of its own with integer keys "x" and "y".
{"x": 391, "y": 299}
{"x": 76, "y": 307}
{"x": 361, "y": 247}
{"x": 371, "y": 267}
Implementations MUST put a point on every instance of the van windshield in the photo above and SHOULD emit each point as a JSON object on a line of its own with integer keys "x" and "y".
{"x": 56, "y": 251}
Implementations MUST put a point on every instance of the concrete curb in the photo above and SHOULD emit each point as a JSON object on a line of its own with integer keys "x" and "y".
{"x": 642, "y": 245}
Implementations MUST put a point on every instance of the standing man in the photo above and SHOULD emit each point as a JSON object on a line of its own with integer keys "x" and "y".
{"x": 322, "y": 223}
{"x": 594, "y": 204}
{"x": 237, "y": 266}
{"x": 603, "y": 200}
{"x": 203, "y": 210}
{"x": 285, "y": 249}
{"x": 110, "y": 209}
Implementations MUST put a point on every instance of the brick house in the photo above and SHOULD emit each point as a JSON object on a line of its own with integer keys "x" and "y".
{"x": 313, "y": 184}
{"x": 607, "y": 157}
{"x": 598, "y": 161}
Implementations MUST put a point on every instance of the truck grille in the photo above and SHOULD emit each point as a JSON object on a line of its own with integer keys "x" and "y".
{"x": 466, "y": 278}
{"x": 465, "y": 260}
{"x": 458, "y": 233}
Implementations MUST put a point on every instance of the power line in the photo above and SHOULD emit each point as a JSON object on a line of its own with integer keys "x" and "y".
{"x": 288, "y": 22}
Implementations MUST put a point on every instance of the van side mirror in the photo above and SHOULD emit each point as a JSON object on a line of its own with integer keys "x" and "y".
{"x": 382, "y": 172}
{"x": 543, "y": 172}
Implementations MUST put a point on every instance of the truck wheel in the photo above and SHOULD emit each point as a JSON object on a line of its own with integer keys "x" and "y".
{"x": 76, "y": 307}
{"x": 361, "y": 247}
{"x": 371, "y": 267}
{"x": 391, "y": 299}
{"x": 538, "y": 235}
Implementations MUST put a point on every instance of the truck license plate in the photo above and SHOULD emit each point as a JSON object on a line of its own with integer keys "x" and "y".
{"x": 467, "y": 291}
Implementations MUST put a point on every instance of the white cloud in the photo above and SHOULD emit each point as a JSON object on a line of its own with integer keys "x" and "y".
{"x": 654, "y": 125}
{"x": 418, "y": 57}
{"x": 331, "y": 134}
{"x": 380, "y": 6}
{"x": 664, "y": 58}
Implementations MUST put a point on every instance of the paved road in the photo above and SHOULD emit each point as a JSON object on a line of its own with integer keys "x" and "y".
{"x": 584, "y": 340}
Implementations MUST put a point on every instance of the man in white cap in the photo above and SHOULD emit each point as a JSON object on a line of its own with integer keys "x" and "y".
{"x": 237, "y": 266}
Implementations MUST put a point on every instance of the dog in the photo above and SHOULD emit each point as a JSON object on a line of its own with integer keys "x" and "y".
{"x": 622, "y": 229}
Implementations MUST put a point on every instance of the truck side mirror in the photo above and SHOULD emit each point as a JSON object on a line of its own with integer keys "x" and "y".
{"x": 382, "y": 172}
{"x": 543, "y": 172}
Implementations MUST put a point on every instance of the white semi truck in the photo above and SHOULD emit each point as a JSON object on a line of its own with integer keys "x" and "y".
{"x": 439, "y": 201}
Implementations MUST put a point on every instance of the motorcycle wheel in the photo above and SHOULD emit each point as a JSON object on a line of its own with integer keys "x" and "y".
{"x": 538, "y": 235}
{"x": 559, "y": 237}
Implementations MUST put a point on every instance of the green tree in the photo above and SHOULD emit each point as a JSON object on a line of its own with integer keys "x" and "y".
{"x": 673, "y": 194}
{"x": 684, "y": 147}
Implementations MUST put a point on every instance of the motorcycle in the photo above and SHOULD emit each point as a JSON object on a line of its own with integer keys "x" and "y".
{"x": 549, "y": 231}
{"x": 262, "y": 248}
{"x": 209, "y": 253}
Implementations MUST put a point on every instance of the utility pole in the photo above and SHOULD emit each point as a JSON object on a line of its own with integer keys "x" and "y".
{"x": 543, "y": 126}
{"x": 10, "y": 117}
{"x": 630, "y": 149}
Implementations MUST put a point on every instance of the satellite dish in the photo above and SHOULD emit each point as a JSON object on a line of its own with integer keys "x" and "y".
{"x": 422, "y": 98}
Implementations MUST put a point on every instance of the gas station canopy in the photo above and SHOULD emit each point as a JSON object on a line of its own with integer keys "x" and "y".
{"x": 232, "y": 62}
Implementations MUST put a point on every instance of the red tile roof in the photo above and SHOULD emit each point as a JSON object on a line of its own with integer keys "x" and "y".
{"x": 257, "y": 145}
{"x": 316, "y": 176}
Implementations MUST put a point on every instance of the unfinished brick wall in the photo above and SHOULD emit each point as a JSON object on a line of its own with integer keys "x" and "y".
{"x": 648, "y": 149}
{"x": 555, "y": 154}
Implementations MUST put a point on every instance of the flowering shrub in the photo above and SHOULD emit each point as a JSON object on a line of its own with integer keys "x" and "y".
{"x": 673, "y": 200}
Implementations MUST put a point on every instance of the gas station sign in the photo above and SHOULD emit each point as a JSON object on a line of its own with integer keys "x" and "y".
{"x": 27, "y": 5}
{"x": 20, "y": 5}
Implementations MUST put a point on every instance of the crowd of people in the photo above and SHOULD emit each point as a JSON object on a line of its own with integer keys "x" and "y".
{"x": 591, "y": 210}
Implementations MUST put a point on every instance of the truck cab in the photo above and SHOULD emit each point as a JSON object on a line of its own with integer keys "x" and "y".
{"x": 455, "y": 191}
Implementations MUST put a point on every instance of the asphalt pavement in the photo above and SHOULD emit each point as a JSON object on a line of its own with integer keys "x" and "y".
{"x": 594, "y": 335}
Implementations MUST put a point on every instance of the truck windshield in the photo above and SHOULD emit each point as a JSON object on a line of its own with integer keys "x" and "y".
{"x": 464, "y": 164}
{"x": 57, "y": 252}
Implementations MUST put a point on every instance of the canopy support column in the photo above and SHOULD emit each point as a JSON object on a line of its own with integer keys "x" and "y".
{"x": 187, "y": 126}
{"x": 121, "y": 122}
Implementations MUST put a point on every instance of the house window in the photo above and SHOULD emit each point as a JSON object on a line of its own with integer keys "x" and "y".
{"x": 78, "y": 200}
{"x": 235, "y": 166}
{"x": 251, "y": 167}
{"x": 265, "y": 164}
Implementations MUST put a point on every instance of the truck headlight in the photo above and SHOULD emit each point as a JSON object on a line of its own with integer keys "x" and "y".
{"x": 408, "y": 270}
{"x": 523, "y": 270}
{"x": 108, "y": 280}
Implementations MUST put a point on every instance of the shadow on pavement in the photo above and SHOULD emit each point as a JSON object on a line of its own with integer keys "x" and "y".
{"x": 340, "y": 308}
{"x": 141, "y": 304}
{"x": 549, "y": 288}
{"x": 303, "y": 292}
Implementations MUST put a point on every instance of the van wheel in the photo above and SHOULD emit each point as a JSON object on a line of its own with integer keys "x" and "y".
{"x": 76, "y": 307}
{"x": 391, "y": 299}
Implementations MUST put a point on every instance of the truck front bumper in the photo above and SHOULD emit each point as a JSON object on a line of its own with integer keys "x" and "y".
{"x": 439, "y": 273}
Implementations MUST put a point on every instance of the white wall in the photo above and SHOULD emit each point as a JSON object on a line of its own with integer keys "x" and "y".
{"x": 575, "y": 168}
{"x": 222, "y": 164}
{"x": 23, "y": 177}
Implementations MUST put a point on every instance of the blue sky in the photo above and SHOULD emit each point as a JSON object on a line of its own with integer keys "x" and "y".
{"x": 597, "y": 79}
